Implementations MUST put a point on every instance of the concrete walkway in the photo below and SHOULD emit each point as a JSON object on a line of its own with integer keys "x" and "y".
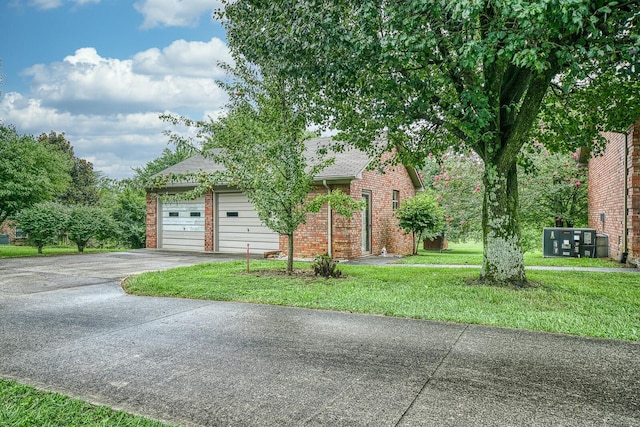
{"x": 67, "y": 326}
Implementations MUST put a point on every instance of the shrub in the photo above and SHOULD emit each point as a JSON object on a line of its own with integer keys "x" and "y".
{"x": 325, "y": 266}
{"x": 43, "y": 223}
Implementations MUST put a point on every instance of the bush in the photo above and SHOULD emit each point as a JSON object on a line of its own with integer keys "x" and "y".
{"x": 421, "y": 216}
{"x": 325, "y": 266}
{"x": 86, "y": 222}
{"x": 43, "y": 223}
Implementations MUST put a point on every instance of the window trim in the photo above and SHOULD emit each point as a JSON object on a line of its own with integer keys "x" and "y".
{"x": 395, "y": 200}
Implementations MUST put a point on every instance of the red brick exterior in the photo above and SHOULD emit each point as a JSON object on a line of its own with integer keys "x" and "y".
{"x": 311, "y": 238}
{"x": 8, "y": 227}
{"x": 606, "y": 193}
{"x": 346, "y": 235}
{"x": 152, "y": 221}
{"x": 209, "y": 222}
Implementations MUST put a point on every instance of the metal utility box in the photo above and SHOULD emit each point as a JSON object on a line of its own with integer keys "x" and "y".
{"x": 602, "y": 246}
{"x": 569, "y": 242}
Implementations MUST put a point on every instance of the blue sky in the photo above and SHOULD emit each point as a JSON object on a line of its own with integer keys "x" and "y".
{"x": 102, "y": 71}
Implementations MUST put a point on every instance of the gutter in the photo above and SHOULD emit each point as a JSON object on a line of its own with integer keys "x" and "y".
{"x": 329, "y": 222}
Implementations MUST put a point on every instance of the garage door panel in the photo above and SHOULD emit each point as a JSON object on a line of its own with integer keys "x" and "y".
{"x": 254, "y": 247}
{"x": 242, "y": 229}
{"x": 232, "y": 234}
{"x": 183, "y": 225}
{"x": 247, "y": 237}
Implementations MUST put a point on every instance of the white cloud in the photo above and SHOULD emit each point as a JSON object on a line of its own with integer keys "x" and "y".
{"x": 180, "y": 76}
{"x": 174, "y": 13}
{"x": 109, "y": 107}
{"x": 114, "y": 143}
{"x": 194, "y": 59}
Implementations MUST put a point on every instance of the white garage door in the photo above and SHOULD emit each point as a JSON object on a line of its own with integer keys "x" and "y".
{"x": 238, "y": 224}
{"x": 183, "y": 225}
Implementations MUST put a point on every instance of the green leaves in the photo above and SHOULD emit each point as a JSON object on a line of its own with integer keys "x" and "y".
{"x": 43, "y": 222}
{"x": 30, "y": 172}
{"x": 85, "y": 223}
{"x": 421, "y": 216}
{"x": 46, "y": 222}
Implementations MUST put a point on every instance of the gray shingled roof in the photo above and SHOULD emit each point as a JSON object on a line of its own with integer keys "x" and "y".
{"x": 348, "y": 165}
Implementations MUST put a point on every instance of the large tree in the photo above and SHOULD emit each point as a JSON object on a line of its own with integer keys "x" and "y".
{"x": 84, "y": 183}
{"x": 30, "y": 172}
{"x": 440, "y": 73}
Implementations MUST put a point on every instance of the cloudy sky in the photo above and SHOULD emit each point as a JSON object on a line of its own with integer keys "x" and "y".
{"x": 102, "y": 71}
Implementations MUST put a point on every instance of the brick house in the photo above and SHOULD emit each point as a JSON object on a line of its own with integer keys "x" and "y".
{"x": 614, "y": 193}
{"x": 7, "y": 228}
{"x": 225, "y": 221}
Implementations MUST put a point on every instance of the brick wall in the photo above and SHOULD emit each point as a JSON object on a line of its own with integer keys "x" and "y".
{"x": 346, "y": 239}
{"x": 8, "y": 227}
{"x": 634, "y": 194}
{"x": 152, "y": 221}
{"x": 385, "y": 231}
{"x": 606, "y": 192}
{"x": 209, "y": 222}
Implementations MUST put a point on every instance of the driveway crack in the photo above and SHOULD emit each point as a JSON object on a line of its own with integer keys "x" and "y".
{"x": 433, "y": 374}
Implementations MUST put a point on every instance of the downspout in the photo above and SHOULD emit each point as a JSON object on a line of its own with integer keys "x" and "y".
{"x": 625, "y": 251}
{"x": 329, "y": 222}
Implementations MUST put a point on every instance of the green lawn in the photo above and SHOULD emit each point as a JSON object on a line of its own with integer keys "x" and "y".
{"x": 9, "y": 251}
{"x": 581, "y": 303}
{"x": 471, "y": 253}
{"x": 24, "y": 406}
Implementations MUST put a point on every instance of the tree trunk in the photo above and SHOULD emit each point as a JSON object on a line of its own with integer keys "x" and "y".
{"x": 290, "y": 255}
{"x": 503, "y": 263}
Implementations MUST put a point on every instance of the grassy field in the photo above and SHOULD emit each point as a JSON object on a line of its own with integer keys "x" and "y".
{"x": 471, "y": 253}
{"x": 24, "y": 406}
{"x": 8, "y": 251}
{"x": 603, "y": 305}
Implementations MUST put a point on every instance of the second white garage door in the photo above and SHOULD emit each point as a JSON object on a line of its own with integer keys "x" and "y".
{"x": 238, "y": 224}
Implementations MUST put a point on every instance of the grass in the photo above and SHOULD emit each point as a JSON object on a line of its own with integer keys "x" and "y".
{"x": 23, "y": 406}
{"x": 603, "y": 305}
{"x": 471, "y": 253}
{"x": 10, "y": 251}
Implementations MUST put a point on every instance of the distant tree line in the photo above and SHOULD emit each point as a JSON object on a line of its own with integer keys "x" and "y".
{"x": 54, "y": 196}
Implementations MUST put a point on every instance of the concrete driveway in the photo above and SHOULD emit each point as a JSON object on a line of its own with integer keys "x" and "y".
{"x": 67, "y": 326}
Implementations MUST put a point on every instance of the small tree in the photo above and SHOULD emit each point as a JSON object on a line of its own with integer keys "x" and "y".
{"x": 422, "y": 217}
{"x": 261, "y": 144}
{"x": 43, "y": 223}
{"x": 85, "y": 223}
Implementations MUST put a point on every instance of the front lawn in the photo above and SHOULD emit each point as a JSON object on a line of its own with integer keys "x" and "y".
{"x": 22, "y": 405}
{"x": 581, "y": 303}
{"x": 10, "y": 251}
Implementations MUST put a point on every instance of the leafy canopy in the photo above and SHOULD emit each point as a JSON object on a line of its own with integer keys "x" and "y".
{"x": 30, "y": 172}
{"x": 452, "y": 73}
